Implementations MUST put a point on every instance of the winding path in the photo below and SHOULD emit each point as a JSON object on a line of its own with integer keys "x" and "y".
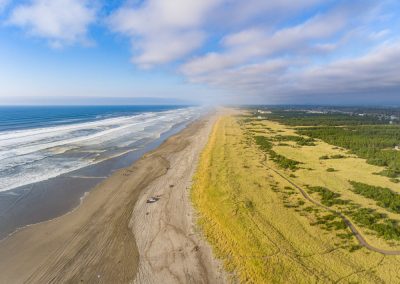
{"x": 347, "y": 221}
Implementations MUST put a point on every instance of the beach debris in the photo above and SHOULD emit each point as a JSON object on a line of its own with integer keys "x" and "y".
{"x": 153, "y": 199}
{"x": 127, "y": 172}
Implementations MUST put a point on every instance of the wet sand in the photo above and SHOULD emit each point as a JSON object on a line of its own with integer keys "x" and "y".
{"x": 115, "y": 236}
{"x": 54, "y": 197}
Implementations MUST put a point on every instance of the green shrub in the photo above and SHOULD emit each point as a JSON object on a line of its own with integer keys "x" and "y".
{"x": 384, "y": 197}
{"x": 328, "y": 198}
{"x": 266, "y": 146}
{"x": 337, "y": 156}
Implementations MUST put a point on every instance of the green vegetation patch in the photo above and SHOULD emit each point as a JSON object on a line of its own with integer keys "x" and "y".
{"x": 304, "y": 118}
{"x": 375, "y": 143}
{"x": 377, "y": 222}
{"x": 284, "y": 162}
{"x": 368, "y": 136}
{"x": 328, "y": 197}
{"x": 365, "y": 217}
{"x": 263, "y": 143}
{"x": 300, "y": 140}
{"x": 330, "y": 222}
{"x": 266, "y": 145}
{"x": 337, "y": 156}
{"x": 384, "y": 197}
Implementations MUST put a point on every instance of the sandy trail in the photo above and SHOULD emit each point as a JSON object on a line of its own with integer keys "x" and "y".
{"x": 96, "y": 243}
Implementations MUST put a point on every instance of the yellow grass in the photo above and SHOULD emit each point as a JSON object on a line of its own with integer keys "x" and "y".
{"x": 253, "y": 221}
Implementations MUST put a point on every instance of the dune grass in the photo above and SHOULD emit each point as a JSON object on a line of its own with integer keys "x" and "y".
{"x": 263, "y": 229}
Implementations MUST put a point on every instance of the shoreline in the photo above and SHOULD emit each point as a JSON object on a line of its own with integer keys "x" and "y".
{"x": 49, "y": 199}
{"x": 91, "y": 242}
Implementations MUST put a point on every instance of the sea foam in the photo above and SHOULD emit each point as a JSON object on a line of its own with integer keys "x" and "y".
{"x": 32, "y": 155}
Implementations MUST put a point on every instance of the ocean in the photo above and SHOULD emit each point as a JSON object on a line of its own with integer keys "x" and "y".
{"x": 40, "y": 143}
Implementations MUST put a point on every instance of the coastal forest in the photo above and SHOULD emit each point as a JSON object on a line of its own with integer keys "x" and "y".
{"x": 369, "y": 137}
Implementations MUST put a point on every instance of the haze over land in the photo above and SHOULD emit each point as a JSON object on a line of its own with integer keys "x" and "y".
{"x": 213, "y": 51}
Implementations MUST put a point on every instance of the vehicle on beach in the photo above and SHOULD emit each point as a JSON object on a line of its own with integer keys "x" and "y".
{"x": 152, "y": 199}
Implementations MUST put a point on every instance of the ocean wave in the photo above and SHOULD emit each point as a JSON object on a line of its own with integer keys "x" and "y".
{"x": 33, "y": 155}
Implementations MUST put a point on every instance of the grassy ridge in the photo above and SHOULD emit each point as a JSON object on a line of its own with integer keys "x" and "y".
{"x": 224, "y": 217}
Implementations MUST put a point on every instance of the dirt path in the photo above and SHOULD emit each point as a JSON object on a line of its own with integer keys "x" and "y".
{"x": 96, "y": 243}
{"x": 361, "y": 240}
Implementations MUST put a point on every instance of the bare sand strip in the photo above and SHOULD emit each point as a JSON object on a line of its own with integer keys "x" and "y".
{"x": 96, "y": 242}
{"x": 170, "y": 249}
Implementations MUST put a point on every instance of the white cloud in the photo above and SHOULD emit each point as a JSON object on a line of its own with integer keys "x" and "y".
{"x": 375, "y": 72}
{"x": 248, "y": 77}
{"x": 316, "y": 57}
{"x": 61, "y": 22}
{"x": 4, "y": 4}
{"x": 174, "y": 45}
{"x": 162, "y": 31}
{"x": 236, "y": 12}
{"x": 254, "y": 46}
{"x": 254, "y": 43}
{"x": 378, "y": 69}
{"x": 379, "y": 35}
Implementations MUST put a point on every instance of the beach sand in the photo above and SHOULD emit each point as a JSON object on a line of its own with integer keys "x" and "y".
{"x": 115, "y": 236}
{"x": 54, "y": 197}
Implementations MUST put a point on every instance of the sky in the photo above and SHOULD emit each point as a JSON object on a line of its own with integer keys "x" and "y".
{"x": 200, "y": 51}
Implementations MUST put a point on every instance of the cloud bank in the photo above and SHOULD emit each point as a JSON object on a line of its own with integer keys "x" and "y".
{"x": 61, "y": 22}
{"x": 251, "y": 49}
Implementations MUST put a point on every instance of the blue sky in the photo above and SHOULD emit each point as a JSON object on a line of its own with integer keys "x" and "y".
{"x": 206, "y": 51}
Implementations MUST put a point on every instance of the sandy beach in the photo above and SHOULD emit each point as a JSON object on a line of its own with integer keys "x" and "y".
{"x": 115, "y": 236}
{"x": 54, "y": 197}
